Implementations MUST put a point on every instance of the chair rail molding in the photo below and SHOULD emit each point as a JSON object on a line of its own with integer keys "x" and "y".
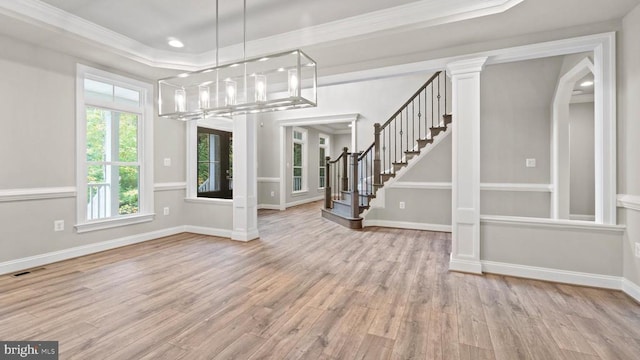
{"x": 170, "y": 186}
{"x": 631, "y": 202}
{"x": 8, "y": 195}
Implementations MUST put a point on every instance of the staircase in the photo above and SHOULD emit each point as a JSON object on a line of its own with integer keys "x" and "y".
{"x": 354, "y": 178}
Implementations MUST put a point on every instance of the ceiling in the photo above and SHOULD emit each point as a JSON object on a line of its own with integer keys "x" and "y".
{"x": 342, "y": 36}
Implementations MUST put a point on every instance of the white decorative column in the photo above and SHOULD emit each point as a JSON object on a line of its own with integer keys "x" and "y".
{"x": 245, "y": 180}
{"x": 465, "y": 78}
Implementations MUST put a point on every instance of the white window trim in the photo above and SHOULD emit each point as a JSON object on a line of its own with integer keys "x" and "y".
{"x": 145, "y": 149}
{"x": 305, "y": 159}
{"x": 327, "y": 152}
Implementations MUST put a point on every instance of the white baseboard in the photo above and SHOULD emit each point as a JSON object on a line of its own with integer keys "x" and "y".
{"x": 466, "y": 266}
{"x": 304, "y": 201}
{"x": 555, "y": 275}
{"x": 631, "y": 289}
{"x": 201, "y": 230}
{"x": 269, "y": 207}
{"x": 12, "y": 266}
{"x": 48, "y": 258}
{"x": 407, "y": 225}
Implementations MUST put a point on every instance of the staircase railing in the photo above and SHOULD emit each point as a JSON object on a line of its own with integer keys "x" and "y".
{"x": 337, "y": 174}
{"x": 417, "y": 119}
{"x": 414, "y": 125}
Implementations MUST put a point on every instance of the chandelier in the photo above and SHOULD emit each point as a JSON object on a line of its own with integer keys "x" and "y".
{"x": 274, "y": 82}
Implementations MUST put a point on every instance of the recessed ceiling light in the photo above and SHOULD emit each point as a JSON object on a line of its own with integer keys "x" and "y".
{"x": 577, "y": 92}
{"x": 587, "y": 83}
{"x": 183, "y": 75}
{"x": 173, "y": 42}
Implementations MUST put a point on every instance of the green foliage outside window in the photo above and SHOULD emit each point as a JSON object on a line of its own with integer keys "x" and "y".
{"x": 98, "y": 145}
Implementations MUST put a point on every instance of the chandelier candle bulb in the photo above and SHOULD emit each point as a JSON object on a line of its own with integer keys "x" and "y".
{"x": 260, "y": 88}
{"x": 205, "y": 97}
{"x": 293, "y": 83}
{"x": 180, "y": 100}
{"x": 231, "y": 88}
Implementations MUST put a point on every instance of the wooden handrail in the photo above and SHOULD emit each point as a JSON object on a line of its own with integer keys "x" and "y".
{"x": 342, "y": 154}
{"x": 435, "y": 76}
{"x": 364, "y": 153}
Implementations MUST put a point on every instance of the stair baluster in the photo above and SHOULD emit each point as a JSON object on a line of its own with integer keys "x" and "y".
{"x": 327, "y": 185}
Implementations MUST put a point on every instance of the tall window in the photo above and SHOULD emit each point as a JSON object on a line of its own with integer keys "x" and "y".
{"x": 113, "y": 131}
{"x": 215, "y": 159}
{"x": 323, "y": 149}
{"x": 299, "y": 159}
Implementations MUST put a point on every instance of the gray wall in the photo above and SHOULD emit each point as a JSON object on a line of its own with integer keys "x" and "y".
{"x": 515, "y": 125}
{"x": 587, "y": 250}
{"x": 422, "y": 206}
{"x": 628, "y": 135}
{"x": 338, "y": 142}
{"x": 583, "y": 187}
{"x": 37, "y": 150}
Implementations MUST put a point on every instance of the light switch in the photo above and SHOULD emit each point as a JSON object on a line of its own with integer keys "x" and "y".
{"x": 167, "y": 161}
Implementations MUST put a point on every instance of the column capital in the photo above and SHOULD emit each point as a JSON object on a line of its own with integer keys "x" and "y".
{"x": 466, "y": 66}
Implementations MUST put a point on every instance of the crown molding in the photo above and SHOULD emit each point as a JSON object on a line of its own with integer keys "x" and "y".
{"x": 419, "y": 14}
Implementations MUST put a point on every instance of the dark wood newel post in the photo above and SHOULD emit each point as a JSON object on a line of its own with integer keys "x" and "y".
{"x": 327, "y": 183}
{"x": 376, "y": 156}
{"x": 345, "y": 169}
{"x": 355, "y": 195}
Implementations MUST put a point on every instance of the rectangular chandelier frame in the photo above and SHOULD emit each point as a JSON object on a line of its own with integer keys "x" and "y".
{"x": 270, "y": 83}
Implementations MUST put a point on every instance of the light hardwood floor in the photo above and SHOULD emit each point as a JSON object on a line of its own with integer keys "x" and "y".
{"x": 309, "y": 289}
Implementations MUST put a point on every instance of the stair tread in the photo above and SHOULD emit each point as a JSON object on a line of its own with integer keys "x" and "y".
{"x": 341, "y": 219}
{"x": 412, "y": 152}
{"x": 400, "y": 163}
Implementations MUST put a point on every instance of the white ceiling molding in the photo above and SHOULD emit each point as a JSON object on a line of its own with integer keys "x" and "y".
{"x": 314, "y": 120}
{"x": 499, "y": 56}
{"x": 424, "y": 13}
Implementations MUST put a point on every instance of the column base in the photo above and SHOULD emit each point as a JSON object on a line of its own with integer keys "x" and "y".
{"x": 465, "y": 266}
{"x": 245, "y": 236}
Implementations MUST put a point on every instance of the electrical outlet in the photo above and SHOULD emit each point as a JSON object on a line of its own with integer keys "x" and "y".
{"x": 638, "y": 250}
{"x": 166, "y": 210}
{"x": 402, "y": 204}
{"x": 273, "y": 193}
{"x": 58, "y": 225}
{"x": 530, "y": 163}
{"x": 167, "y": 161}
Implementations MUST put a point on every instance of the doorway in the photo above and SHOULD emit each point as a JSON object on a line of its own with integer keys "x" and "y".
{"x": 215, "y": 164}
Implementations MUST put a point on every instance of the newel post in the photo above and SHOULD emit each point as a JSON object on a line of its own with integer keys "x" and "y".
{"x": 377, "y": 178}
{"x": 355, "y": 195}
{"x": 345, "y": 169}
{"x": 327, "y": 183}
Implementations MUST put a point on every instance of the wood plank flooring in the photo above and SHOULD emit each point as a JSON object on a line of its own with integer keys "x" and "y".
{"x": 309, "y": 289}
